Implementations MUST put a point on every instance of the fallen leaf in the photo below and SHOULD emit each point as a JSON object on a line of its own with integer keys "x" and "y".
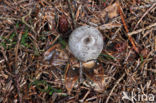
{"x": 98, "y": 78}
{"x": 110, "y": 11}
{"x": 71, "y": 77}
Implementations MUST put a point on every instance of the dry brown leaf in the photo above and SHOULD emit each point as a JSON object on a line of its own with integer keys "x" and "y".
{"x": 111, "y": 11}
{"x": 71, "y": 78}
{"x": 100, "y": 82}
{"x": 99, "y": 79}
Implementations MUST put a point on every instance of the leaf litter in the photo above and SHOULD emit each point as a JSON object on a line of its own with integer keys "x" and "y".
{"x": 36, "y": 64}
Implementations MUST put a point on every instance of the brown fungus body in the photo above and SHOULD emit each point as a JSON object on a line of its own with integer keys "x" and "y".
{"x": 86, "y": 43}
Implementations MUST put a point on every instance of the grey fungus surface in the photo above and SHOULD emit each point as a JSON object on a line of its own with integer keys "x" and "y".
{"x": 86, "y": 43}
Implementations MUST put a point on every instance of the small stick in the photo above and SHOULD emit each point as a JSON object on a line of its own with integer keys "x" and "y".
{"x": 6, "y": 18}
{"x": 18, "y": 88}
{"x": 115, "y": 87}
{"x": 126, "y": 28}
{"x": 143, "y": 29}
{"x": 67, "y": 68}
{"x": 81, "y": 72}
{"x": 151, "y": 70}
{"x": 141, "y": 7}
{"x": 82, "y": 100}
{"x": 55, "y": 40}
{"x": 16, "y": 66}
{"x": 23, "y": 20}
{"x": 155, "y": 43}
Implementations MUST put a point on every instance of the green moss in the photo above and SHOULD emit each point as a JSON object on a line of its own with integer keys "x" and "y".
{"x": 43, "y": 86}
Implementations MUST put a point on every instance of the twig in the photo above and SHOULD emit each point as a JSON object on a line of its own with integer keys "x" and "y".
{"x": 66, "y": 70}
{"x": 55, "y": 39}
{"x": 141, "y": 7}
{"x": 89, "y": 23}
{"x": 82, "y": 100}
{"x": 6, "y": 18}
{"x": 155, "y": 43}
{"x": 16, "y": 66}
{"x": 16, "y": 48}
{"x": 126, "y": 28}
{"x": 114, "y": 87}
{"x": 151, "y": 70}
{"x": 143, "y": 29}
{"x": 18, "y": 87}
{"x": 1, "y": 61}
{"x": 144, "y": 15}
{"x": 109, "y": 26}
{"x": 81, "y": 72}
{"x": 23, "y": 20}
{"x": 4, "y": 53}
{"x": 72, "y": 14}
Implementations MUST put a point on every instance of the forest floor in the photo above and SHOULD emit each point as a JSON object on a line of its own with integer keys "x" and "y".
{"x": 32, "y": 30}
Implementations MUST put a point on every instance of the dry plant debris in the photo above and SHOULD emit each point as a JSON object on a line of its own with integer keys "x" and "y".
{"x": 36, "y": 65}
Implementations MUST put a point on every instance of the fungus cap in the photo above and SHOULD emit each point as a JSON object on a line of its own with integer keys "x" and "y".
{"x": 86, "y": 43}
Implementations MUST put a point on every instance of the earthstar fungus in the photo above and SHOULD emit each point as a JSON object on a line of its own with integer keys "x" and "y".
{"x": 86, "y": 43}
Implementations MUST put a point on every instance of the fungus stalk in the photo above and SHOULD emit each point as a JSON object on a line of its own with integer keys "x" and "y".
{"x": 81, "y": 72}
